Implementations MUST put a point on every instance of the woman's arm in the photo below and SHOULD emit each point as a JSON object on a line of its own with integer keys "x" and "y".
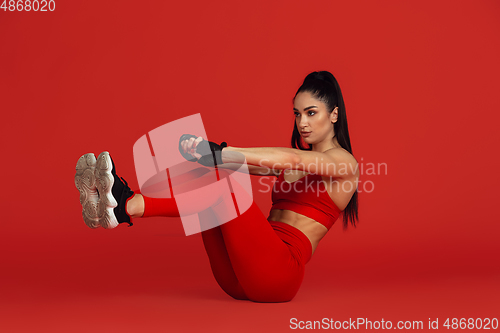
{"x": 268, "y": 157}
{"x": 335, "y": 162}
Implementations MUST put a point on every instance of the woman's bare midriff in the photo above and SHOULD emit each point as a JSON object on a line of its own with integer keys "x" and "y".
{"x": 312, "y": 229}
{"x": 315, "y": 231}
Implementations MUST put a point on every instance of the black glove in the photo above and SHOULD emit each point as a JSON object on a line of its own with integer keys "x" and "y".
{"x": 210, "y": 152}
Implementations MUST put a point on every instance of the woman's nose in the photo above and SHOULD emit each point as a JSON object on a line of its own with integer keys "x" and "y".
{"x": 302, "y": 122}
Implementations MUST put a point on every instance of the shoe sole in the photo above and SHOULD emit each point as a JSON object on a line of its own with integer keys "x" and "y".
{"x": 104, "y": 182}
{"x": 85, "y": 182}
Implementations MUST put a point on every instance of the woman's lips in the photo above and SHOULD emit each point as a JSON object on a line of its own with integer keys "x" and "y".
{"x": 305, "y": 134}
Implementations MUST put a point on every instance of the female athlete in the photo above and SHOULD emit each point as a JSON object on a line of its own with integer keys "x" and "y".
{"x": 253, "y": 257}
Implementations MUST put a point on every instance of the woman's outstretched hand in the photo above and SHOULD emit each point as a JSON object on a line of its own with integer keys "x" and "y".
{"x": 196, "y": 149}
{"x": 189, "y": 146}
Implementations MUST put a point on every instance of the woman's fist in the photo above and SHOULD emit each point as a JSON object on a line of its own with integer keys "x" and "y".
{"x": 189, "y": 146}
{"x": 195, "y": 148}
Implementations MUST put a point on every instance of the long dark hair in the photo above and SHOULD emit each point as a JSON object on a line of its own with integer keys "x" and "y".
{"x": 324, "y": 87}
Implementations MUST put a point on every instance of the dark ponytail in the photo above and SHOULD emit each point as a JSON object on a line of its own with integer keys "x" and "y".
{"x": 324, "y": 87}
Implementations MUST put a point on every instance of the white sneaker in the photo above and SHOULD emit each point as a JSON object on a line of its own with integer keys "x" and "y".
{"x": 85, "y": 182}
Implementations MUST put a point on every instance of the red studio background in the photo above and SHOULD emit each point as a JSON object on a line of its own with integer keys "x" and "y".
{"x": 420, "y": 83}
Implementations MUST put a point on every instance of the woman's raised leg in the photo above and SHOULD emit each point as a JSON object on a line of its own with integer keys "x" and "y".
{"x": 267, "y": 268}
{"x": 248, "y": 255}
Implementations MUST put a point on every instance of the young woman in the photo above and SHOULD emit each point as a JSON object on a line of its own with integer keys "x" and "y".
{"x": 253, "y": 257}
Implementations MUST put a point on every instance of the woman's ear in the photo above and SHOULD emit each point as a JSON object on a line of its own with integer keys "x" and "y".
{"x": 334, "y": 115}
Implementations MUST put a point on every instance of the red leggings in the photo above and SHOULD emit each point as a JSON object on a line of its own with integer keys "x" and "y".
{"x": 251, "y": 258}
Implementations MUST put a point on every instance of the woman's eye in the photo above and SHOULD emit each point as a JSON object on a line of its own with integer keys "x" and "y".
{"x": 309, "y": 112}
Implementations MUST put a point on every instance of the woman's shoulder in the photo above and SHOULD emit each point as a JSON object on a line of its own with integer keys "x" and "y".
{"x": 344, "y": 159}
{"x": 342, "y": 153}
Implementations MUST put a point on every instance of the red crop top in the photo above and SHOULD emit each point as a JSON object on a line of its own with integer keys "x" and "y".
{"x": 307, "y": 197}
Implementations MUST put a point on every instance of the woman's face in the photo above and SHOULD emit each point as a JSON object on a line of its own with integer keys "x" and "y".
{"x": 314, "y": 122}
